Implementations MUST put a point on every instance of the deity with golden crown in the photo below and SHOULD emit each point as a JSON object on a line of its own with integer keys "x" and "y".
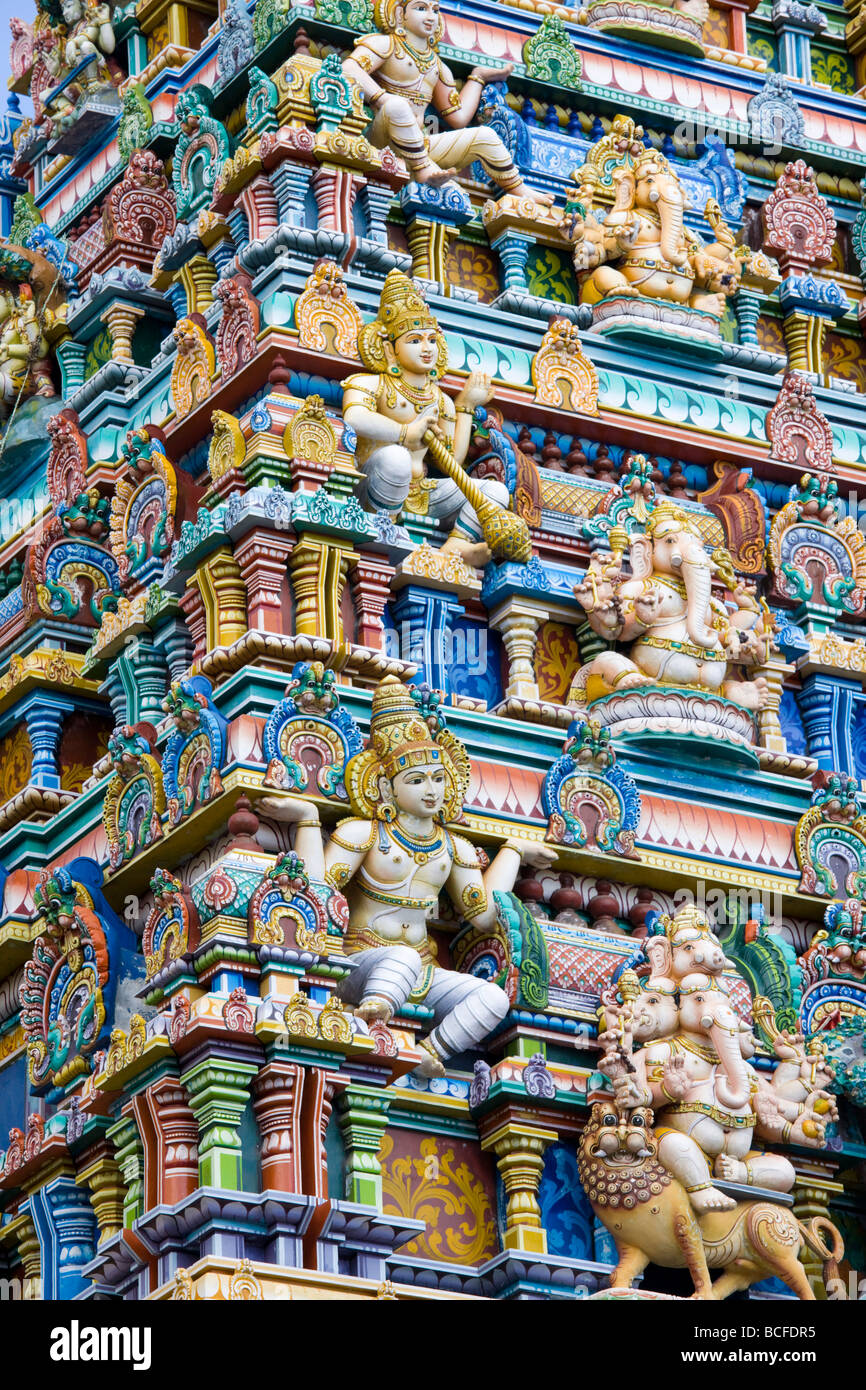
{"x": 401, "y": 74}
{"x": 393, "y": 857}
{"x": 396, "y": 401}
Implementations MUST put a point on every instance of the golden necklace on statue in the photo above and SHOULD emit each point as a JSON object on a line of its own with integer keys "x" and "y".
{"x": 418, "y": 396}
{"x": 423, "y": 61}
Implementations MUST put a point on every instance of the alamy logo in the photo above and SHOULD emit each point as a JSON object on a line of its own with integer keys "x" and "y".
{"x": 77, "y": 1343}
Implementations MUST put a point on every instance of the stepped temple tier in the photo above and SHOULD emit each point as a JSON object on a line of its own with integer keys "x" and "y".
{"x": 433, "y": 651}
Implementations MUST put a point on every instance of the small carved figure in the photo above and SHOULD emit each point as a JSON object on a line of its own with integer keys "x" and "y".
{"x": 680, "y": 634}
{"x": 400, "y": 73}
{"x": 394, "y": 857}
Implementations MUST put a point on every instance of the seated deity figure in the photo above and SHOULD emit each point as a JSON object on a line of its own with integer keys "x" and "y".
{"x": 693, "y": 1069}
{"x": 393, "y": 857}
{"x": 396, "y": 401}
{"x": 409, "y": 77}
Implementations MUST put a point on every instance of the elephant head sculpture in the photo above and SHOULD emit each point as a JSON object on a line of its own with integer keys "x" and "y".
{"x": 658, "y": 194}
{"x": 709, "y": 1011}
{"x": 672, "y": 548}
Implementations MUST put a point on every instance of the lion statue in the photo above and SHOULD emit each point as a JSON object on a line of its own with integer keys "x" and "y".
{"x": 651, "y": 1218}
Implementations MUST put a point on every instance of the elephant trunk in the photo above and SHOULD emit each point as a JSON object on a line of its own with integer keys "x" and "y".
{"x": 733, "y": 1088}
{"x": 698, "y": 582}
{"x": 671, "y": 222}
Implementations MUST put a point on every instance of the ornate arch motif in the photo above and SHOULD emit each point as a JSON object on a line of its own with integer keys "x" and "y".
{"x": 171, "y": 931}
{"x": 797, "y": 431}
{"x": 286, "y": 909}
{"x": 143, "y": 510}
{"x": 816, "y": 555}
{"x": 326, "y": 318}
{"x": 75, "y": 580}
{"x": 308, "y": 737}
{"x": 774, "y": 116}
{"x": 310, "y": 434}
{"x": 194, "y": 364}
{"x": 799, "y": 226}
{"x": 196, "y": 749}
{"x": 139, "y": 212}
{"x": 227, "y": 447}
{"x": 239, "y": 325}
{"x": 201, "y": 151}
{"x": 134, "y": 798}
{"x": 562, "y": 374}
{"x": 67, "y": 460}
{"x": 838, "y": 950}
{"x": 587, "y": 799}
{"x": 63, "y": 1009}
{"x": 830, "y": 841}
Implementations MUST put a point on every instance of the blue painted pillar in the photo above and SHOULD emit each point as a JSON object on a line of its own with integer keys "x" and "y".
{"x": 513, "y": 251}
{"x": 65, "y": 1225}
{"x": 827, "y": 708}
{"x": 289, "y": 182}
{"x": 424, "y": 620}
{"x": 44, "y": 715}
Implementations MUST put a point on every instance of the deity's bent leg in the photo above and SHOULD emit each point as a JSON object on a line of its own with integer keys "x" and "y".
{"x": 465, "y": 1011}
{"x": 457, "y": 148}
{"x": 382, "y": 980}
{"x": 448, "y": 504}
{"x": 388, "y": 473}
{"x": 396, "y": 124}
{"x": 683, "y": 1157}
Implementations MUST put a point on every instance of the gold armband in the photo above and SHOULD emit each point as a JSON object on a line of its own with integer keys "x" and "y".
{"x": 338, "y": 875}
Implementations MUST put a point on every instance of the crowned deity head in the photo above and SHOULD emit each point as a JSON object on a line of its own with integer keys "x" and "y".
{"x": 419, "y": 19}
{"x": 404, "y": 337}
{"x": 406, "y": 767}
{"x": 685, "y": 949}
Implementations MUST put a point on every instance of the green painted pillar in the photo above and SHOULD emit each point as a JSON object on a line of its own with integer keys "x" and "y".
{"x": 363, "y": 1116}
{"x": 130, "y": 1160}
{"x": 219, "y": 1091}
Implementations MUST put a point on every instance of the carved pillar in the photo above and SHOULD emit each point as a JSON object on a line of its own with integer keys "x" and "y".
{"x": 173, "y": 638}
{"x": 21, "y": 1232}
{"x": 44, "y": 716}
{"x": 193, "y": 609}
{"x": 263, "y": 557}
{"x": 121, "y": 320}
{"x": 198, "y": 278}
{"x": 225, "y": 598}
{"x": 376, "y": 202}
{"x": 747, "y": 309}
{"x": 66, "y": 1229}
{"x": 335, "y": 191}
{"x": 260, "y": 205}
{"x": 775, "y": 669}
{"x": 277, "y": 1094}
{"x": 518, "y": 624}
{"x": 432, "y": 218}
{"x": 371, "y": 589}
{"x": 99, "y": 1172}
{"x": 513, "y": 252}
{"x": 170, "y": 1134}
{"x": 796, "y": 25}
{"x": 519, "y": 1149}
{"x": 289, "y": 183}
{"x": 320, "y": 1087}
{"x": 827, "y": 709}
{"x": 129, "y": 1153}
{"x": 425, "y": 621}
{"x": 319, "y": 571}
{"x": 218, "y": 1089}
{"x": 72, "y": 357}
{"x": 363, "y": 1115}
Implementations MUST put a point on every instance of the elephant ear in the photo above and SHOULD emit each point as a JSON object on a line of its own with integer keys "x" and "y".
{"x": 641, "y": 555}
{"x": 657, "y": 950}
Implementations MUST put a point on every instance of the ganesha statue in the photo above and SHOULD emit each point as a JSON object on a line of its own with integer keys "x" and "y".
{"x": 678, "y": 633}
{"x": 634, "y": 254}
{"x": 693, "y": 1067}
{"x": 24, "y": 364}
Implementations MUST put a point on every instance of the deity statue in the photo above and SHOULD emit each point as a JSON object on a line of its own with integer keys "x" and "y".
{"x": 400, "y": 73}
{"x": 693, "y": 1069}
{"x": 640, "y": 248}
{"x": 24, "y": 365}
{"x": 90, "y": 39}
{"x": 393, "y": 857}
{"x": 400, "y": 415}
{"x": 680, "y": 635}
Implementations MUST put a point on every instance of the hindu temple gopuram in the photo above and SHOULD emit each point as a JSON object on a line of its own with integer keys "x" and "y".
{"x": 433, "y": 650}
